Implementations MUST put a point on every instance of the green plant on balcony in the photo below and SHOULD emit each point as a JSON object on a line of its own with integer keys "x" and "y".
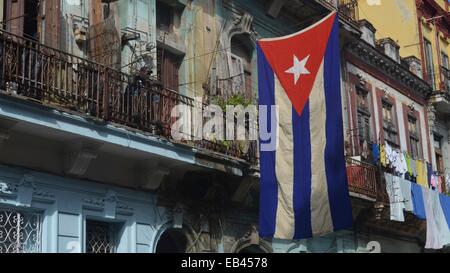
{"x": 239, "y": 146}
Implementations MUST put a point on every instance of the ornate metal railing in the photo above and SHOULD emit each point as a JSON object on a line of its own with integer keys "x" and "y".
{"x": 362, "y": 178}
{"x": 348, "y": 9}
{"x": 445, "y": 84}
{"x": 55, "y": 78}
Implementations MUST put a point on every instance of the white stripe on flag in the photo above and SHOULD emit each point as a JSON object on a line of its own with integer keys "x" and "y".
{"x": 285, "y": 220}
{"x": 321, "y": 221}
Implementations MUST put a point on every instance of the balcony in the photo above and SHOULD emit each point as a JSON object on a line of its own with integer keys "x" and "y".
{"x": 307, "y": 12}
{"x": 47, "y": 76}
{"x": 441, "y": 97}
{"x": 445, "y": 76}
{"x": 362, "y": 179}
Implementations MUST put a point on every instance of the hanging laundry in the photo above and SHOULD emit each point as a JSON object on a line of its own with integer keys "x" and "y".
{"x": 418, "y": 176}
{"x": 375, "y": 153}
{"x": 445, "y": 204}
{"x": 389, "y": 154}
{"x": 447, "y": 180}
{"x": 408, "y": 163}
{"x": 383, "y": 160}
{"x": 434, "y": 182}
{"x": 421, "y": 176}
{"x": 365, "y": 149}
{"x": 413, "y": 168}
{"x": 429, "y": 173}
{"x": 425, "y": 174}
{"x": 395, "y": 197}
{"x": 400, "y": 163}
{"x": 438, "y": 233}
{"x": 405, "y": 187}
{"x": 417, "y": 198}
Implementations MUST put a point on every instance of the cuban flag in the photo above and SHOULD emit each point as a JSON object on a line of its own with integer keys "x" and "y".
{"x": 304, "y": 191}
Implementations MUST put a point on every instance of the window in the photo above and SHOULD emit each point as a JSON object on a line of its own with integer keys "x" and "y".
{"x": 389, "y": 126}
{"x": 100, "y": 237}
{"x": 30, "y": 28}
{"x": 438, "y": 151}
{"x": 364, "y": 115}
{"x": 20, "y": 231}
{"x": 106, "y": 10}
{"x": 164, "y": 16}
{"x": 21, "y": 17}
{"x": 168, "y": 69}
{"x": 429, "y": 63}
{"x": 445, "y": 71}
{"x": 237, "y": 74}
{"x": 445, "y": 63}
{"x": 437, "y": 142}
{"x": 241, "y": 65}
{"x": 414, "y": 140}
{"x": 172, "y": 241}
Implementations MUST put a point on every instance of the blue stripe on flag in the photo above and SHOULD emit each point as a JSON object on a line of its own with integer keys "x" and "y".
{"x": 338, "y": 194}
{"x": 268, "y": 186}
{"x": 302, "y": 173}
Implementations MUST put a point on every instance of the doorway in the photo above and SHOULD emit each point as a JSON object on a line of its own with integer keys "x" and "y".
{"x": 172, "y": 241}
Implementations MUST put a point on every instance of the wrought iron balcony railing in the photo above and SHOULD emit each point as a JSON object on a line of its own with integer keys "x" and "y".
{"x": 445, "y": 84}
{"x": 362, "y": 178}
{"x": 58, "y": 79}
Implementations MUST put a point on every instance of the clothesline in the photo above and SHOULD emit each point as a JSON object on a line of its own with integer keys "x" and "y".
{"x": 405, "y": 166}
{"x": 425, "y": 203}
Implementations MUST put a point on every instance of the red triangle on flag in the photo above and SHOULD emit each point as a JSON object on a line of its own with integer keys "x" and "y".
{"x": 296, "y": 59}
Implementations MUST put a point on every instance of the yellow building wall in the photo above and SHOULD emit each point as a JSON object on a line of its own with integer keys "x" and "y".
{"x": 429, "y": 33}
{"x": 439, "y": 43}
{"x": 396, "y": 19}
{"x": 441, "y": 3}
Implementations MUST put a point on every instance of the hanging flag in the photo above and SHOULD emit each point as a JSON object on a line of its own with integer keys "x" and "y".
{"x": 304, "y": 190}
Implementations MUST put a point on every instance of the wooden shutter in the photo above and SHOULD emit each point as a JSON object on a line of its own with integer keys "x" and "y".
{"x": 51, "y": 19}
{"x": 15, "y": 9}
{"x": 170, "y": 80}
{"x": 237, "y": 74}
{"x": 104, "y": 41}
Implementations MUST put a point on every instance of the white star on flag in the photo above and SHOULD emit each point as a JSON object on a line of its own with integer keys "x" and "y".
{"x": 299, "y": 68}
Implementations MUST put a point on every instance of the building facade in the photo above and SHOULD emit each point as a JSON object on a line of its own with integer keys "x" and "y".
{"x": 88, "y": 161}
{"x": 421, "y": 30}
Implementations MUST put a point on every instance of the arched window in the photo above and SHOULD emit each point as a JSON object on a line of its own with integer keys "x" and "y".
{"x": 241, "y": 65}
{"x": 172, "y": 241}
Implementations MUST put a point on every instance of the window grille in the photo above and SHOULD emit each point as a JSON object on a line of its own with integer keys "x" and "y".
{"x": 100, "y": 237}
{"x": 20, "y": 231}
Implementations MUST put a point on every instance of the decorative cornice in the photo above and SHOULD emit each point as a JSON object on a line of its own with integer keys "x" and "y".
{"x": 99, "y": 203}
{"x": 367, "y": 24}
{"x": 94, "y": 203}
{"x": 385, "y": 65}
{"x": 388, "y": 40}
{"x": 8, "y": 189}
{"x": 43, "y": 195}
{"x": 12, "y": 189}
